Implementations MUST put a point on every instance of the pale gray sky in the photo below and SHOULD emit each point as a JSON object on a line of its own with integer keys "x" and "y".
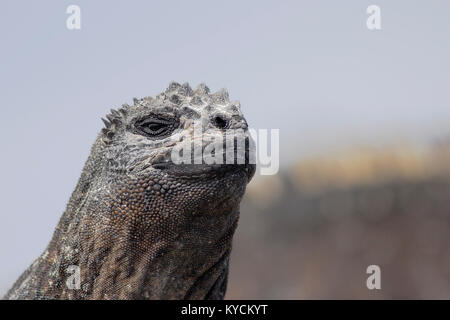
{"x": 310, "y": 68}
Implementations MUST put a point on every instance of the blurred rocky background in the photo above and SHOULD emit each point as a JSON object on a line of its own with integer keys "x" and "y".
{"x": 313, "y": 229}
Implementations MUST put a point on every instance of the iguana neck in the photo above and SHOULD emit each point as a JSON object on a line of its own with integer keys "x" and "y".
{"x": 129, "y": 260}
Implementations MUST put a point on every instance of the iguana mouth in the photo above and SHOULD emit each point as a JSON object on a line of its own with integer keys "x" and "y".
{"x": 193, "y": 170}
{"x": 204, "y": 170}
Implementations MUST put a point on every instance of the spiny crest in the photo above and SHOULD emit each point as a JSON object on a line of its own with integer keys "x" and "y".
{"x": 221, "y": 96}
{"x": 113, "y": 120}
{"x": 177, "y": 93}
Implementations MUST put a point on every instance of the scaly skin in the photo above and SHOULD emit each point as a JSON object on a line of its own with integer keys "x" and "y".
{"x": 139, "y": 226}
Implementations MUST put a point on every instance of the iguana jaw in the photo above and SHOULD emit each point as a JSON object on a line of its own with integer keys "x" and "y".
{"x": 195, "y": 171}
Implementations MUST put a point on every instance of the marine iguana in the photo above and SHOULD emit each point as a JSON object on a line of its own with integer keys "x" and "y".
{"x": 138, "y": 225}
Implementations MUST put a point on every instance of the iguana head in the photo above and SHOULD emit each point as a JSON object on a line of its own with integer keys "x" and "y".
{"x": 183, "y": 213}
{"x": 174, "y": 146}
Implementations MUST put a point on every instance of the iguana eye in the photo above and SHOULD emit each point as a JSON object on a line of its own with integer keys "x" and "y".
{"x": 154, "y": 127}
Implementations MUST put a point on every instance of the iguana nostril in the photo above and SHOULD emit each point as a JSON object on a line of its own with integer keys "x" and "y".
{"x": 220, "y": 121}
